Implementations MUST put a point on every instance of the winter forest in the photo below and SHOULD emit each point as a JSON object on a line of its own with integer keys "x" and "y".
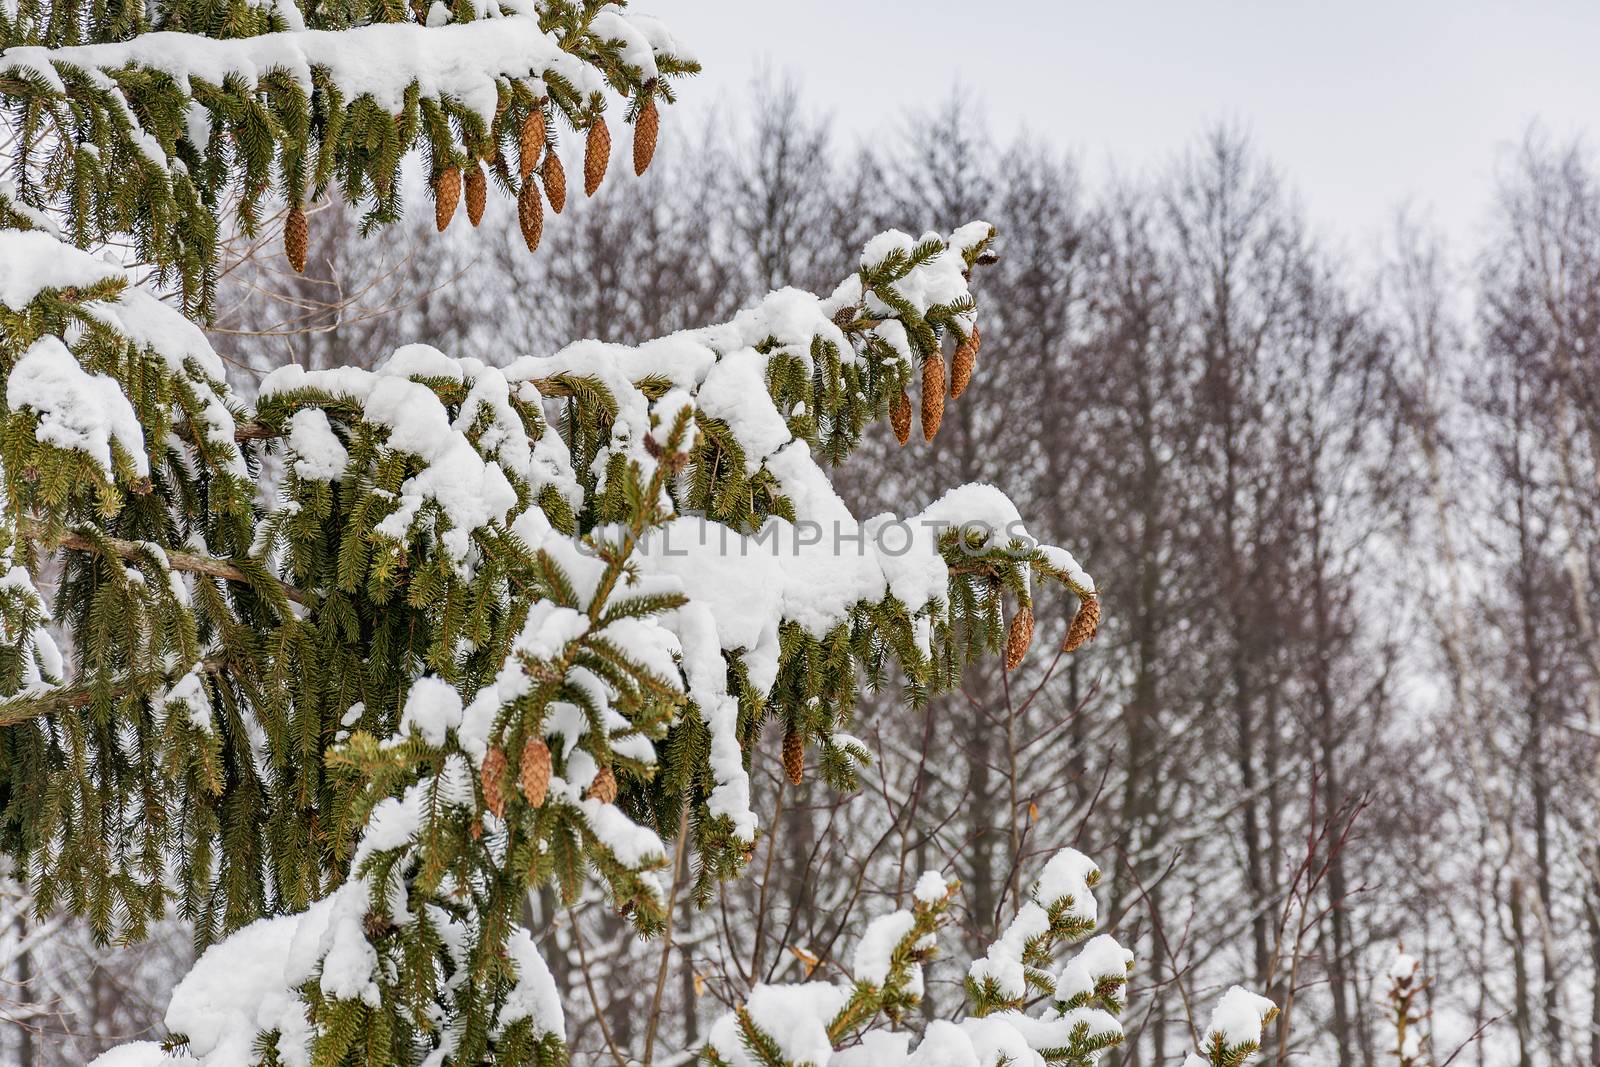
{"x": 379, "y": 687}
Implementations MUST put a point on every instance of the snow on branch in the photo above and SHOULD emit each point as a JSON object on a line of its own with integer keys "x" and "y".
{"x": 1235, "y": 1031}
{"x": 166, "y": 126}
{"x": 835, "y": 1024}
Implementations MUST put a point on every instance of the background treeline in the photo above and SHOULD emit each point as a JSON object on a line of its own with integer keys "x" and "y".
{"x": 1344, "y": 518}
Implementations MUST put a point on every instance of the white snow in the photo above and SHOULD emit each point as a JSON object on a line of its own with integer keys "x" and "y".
{"x": 349, "y": 962}
{"x": 970, "y": 235}
{"x": 549, "y": 629}
{"x": 190, "y": 692}
{"x": 535, "y": 995}
{"x": 1403, "y": 967}
{"x": 637, "y": 46}
{"x": 320, "y": 455}
{"x": 633, "y": 845}
{"x": 246, "y": 984}
{"x": 796, "y": 1017}
{"x": 77, "y": 410}
{"x": 878, "y": 1048}
{"x": 433, "y": 707}
{"x": 998, "y": 1039}
{"x": 1240, "y": 1016}
{"x": 930, "y": 888}
{"x": 1067, "y": 875}
{"x": 462, "y": 61}
{"x": 139, "y": 1054}
{"x": 32, "y": 261}
{"x": 149, "y": 323}
{"x": 394, "y": 821}
{"x": 944, "y": 1044}
{"x": 874, "y": 952}
{"x": 45, "y": 667}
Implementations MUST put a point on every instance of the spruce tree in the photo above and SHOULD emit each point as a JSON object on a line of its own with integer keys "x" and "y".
{"x": 496, "y": 628}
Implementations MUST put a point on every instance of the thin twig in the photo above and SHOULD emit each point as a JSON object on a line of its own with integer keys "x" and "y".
{"x": 666, "y": 936}
{"x": 594, "y": 999}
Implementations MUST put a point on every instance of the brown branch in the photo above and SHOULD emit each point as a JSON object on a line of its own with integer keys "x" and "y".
{"x": 22, "y": 707}
{"x": 189, "y": 562}
{"x": 250, "y": 430}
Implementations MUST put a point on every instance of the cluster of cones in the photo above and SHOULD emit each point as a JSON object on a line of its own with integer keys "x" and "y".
{"x": 536, "y": 156}
{"x": 533, "y": 775}
{"x": 1019, "y": 635}
{"x": 934, "y": 386}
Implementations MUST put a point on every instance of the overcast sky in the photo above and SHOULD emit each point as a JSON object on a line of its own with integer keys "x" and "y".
{"x": 1363, "y": 105}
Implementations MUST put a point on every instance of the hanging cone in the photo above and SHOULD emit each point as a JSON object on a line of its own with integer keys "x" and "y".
{"x": 531, "y": 142}
{"x": 555, "y": 180}
{"x": 604, "y": 786}
{"x": 530, "y": 214}
{"x": 477, "y": 193}
{"x": 596, "y": 156}
{"x": 966, "y": 358}
{"x": 446, "y": 194}
{"x": 1084, "y": 624}
{"x": 535, "y": 771}
{"x": 933, "y": 386}
{"x": 900, "y": 417}
{"x": 794, "y": 756}
{"x": 1019, "y": 637}
{"x": 493, "y": 776}
{"x": 645, "y": 130}
{"x": 296, "y": 238}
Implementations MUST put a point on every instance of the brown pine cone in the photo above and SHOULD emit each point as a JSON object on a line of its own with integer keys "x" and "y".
{"x": 794, "y": 756}
{"x": 596, "y": 156}
{"x": 646, "y": 128}
{"x": 1084, "y": 624}
{"x": 531, "y": 142}
{"x": 446, "y": 194}
{"x": 1019, "y": 637}
{"x": 530, "y": 214}
{"x": 493, "y": 777}
{"x": 966, "y": 358}
{"x": 900, "y": 417}
{"x": 555, "y": 180}
{"x": 477, "y": 193}
{"x": 933, "y": 386}
{"x": 535, "y": 771}
{"x": 296, "y": 238}
{"x": 604, "y": 786}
